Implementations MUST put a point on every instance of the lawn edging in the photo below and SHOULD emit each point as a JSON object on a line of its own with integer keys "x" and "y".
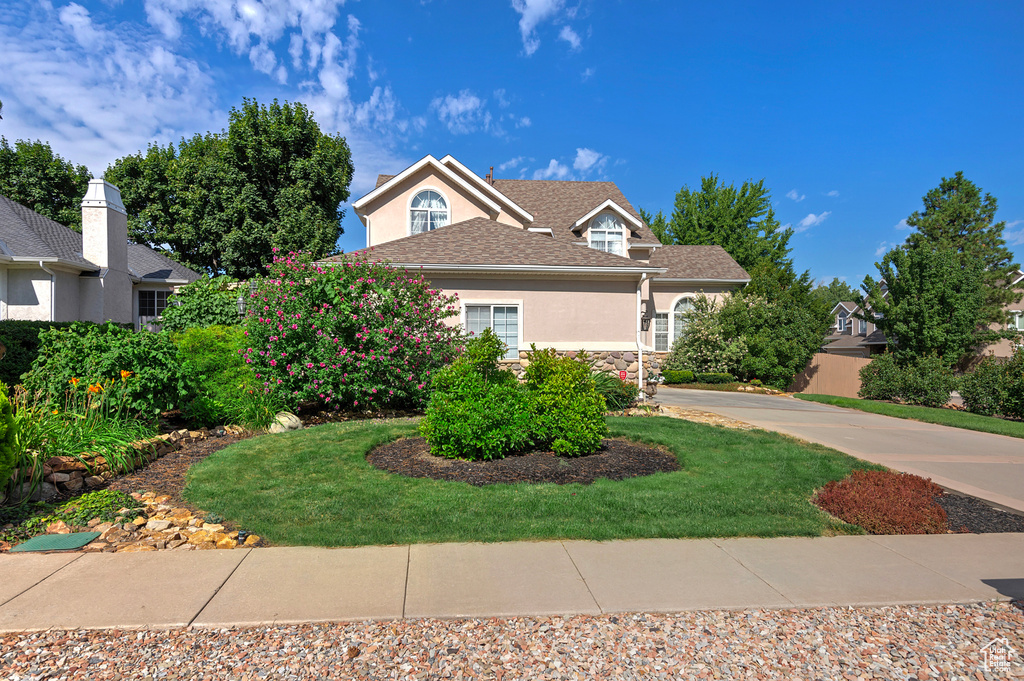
{"x": 942, "y": 417}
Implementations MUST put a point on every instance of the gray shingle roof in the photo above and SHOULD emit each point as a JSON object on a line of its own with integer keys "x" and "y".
{"x": 483, "y": 242}
{"x": 28, "y": 234}
{"x": 697, "y": 262}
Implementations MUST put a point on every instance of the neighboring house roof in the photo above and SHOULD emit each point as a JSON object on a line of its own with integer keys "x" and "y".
{"x": 848, "y": 305}
{"x": 697, "y": 263}
{"x": 839, "y": 342}
{"x": 480, "y": 243}
{"x": 28, "y": 235}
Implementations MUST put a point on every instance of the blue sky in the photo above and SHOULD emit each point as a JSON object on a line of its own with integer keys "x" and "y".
{"x": 849, "y": 111}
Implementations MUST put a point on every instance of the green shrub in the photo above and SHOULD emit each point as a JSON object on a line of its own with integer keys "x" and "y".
{"x": 983, "y": 389}
{"x": 703, "y": 346}
{"x": 882, "y": 379}
{"x": 617, "y": 394}
{"x": 568, "y": 412}
{"x": 476, "y": 410}
{"x": 677, "y": 376}
{"x": 713, "y": 378}
{"x": 357, "y": 334}
{"x": 211, "y": 362}
{"x": 756, "y": 382}
{"x": 21, "y": 338}
{"x": 96, "y": 354}
{"x": 206, "y": 302}
{"x": 928, "y": 382}
{"x": 9, "y": 449}
{"x": 1013, "y": 385}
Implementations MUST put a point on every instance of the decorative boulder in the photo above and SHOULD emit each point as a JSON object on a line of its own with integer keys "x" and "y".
{"x": 284, "y": 422}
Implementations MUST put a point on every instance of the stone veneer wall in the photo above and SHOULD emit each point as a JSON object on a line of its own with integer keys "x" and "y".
{"x": 611, "y": 362}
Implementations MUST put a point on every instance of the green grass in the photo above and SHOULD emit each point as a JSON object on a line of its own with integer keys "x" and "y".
{"x": 314, "y": 487}
{"x": 942, "y": 417}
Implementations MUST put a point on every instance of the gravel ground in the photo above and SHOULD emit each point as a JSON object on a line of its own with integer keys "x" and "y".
{"x": 922, "y": 642}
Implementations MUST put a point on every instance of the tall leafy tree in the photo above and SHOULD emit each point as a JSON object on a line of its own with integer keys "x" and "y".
{"x": 933, "y": 305}
{"x": 34, "y": 176}
{"x": 658, "y": 224}
{"x": 741, "y": 221}
{"x": 957, "y": 216}
{"x": 221, "y": 202}
{"x": 835, "y": 291}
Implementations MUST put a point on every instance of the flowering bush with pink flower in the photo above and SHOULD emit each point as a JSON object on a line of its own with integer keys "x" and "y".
{"x": 347, "y": 335}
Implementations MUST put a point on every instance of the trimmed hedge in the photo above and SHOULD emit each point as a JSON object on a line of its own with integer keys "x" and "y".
{"x": 714, "y": 378}
{"x": 21, "y": 338}
{"x": 671, "y": 376}
{"x": 926, "y": 381}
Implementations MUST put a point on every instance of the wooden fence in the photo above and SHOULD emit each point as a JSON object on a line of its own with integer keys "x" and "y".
{"x": 830, "y": 375}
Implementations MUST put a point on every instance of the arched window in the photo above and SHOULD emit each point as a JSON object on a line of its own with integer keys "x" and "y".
{"x": 427, "y": 212}
{"x": 683, "y": 306}
{"x": 607, "y": 234}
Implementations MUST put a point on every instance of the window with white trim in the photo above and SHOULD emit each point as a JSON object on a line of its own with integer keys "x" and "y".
{"x": 502, "y": 319}
{"x": 1017, "y": 320}
{"x": 862, "y": 326}
{"x": 683, "y": 305}
{"x": 841, "y": 321}
{"x": 607, "y": 233}
{"x": 427, "y": 212}
{"x": 661, "y": 331}
{"x": 152, "y": 303}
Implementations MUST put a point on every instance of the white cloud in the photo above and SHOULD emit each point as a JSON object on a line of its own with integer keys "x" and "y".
{"x": 884, "y": 248}
{"x": 811, "y": 220}
{"x": 587, "y": 74}
{"x": 570, "y": 36}
{"x": 834, "y": 193}
{"x": 795, "y": 196}
{"x": 902, "y": 224}
{"x": 531, "y": 14}
{"x": 554, "y": 171}
{"x": 588, "y": 160}
{"x": 501, "y": 98}
{"x": 463, "y": 113}
{"x": 1014, "y": 237}
{"x": 524, "y": 122}
{"x": 511, "y": 164}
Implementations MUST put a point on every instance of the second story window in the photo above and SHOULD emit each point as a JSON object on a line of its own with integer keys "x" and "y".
{"x": 607, "y": 234}
{"x": 862, "y": 326}
{"x": 427, "y": 212}
{"x": 841, "y": 321}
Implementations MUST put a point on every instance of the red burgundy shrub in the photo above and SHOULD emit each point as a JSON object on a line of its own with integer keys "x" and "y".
{"x": 353, "y": 335}
{"x": 883, "y": 502}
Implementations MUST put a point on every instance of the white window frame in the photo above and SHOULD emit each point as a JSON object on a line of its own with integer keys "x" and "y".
{"x": 1016, "y": 320}
{"x": 672, "y": 336}
{"x": 412, "y": 197}
{"x": 623, "y": 250}
{"x": 862, "y": 326}
{"x": 665, "y": 334}
{"x": 841, "y": 321}
{"x": 518, "y": 304}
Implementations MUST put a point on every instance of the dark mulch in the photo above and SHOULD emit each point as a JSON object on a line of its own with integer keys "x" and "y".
{"x": 616, "y": 460}
{"x": 166, "y": 475}
{"x": 976, "y": 516}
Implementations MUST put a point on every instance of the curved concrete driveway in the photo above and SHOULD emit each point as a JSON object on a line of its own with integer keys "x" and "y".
{"x": 982, "y": 465}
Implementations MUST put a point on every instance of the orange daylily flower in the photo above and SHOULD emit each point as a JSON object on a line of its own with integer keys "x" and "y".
{"x": 125, "y": 375}
{"x": 96, "y": 388}
{"x": 73, "y": 381}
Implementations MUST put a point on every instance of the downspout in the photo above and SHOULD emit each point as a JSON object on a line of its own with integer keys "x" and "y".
{"x": 53, "y": 288}
{"x": 639, "y": 343}
{"x": 367, "y": 231}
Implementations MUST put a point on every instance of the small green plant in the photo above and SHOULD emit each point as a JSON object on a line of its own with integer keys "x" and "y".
{"x": 673, "y": 377}
{"x": 618, "y": 394}
{"x": 756, "y": 382}
{"x": 9, "y": 438}
{"x": 568, "y": 411}
{"x": 220, "y": 381}
{"x": 477, "y": 410}
{"x": 105, "y": 504}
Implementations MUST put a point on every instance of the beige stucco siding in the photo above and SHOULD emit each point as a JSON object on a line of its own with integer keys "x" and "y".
{"x": 66, "y": 304}
{"x": 27, "y": 295}
{"x": 388, "y": 215}
{"x": 563, "y": 313}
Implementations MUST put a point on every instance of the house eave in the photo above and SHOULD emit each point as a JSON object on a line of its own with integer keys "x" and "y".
{"x": 526, "y": 269}
{"x": 427, "y": 160}
{"x": 689, "y": 280}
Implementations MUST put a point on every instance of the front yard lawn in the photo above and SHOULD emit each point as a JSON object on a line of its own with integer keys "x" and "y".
{"x": 314, "y": 487}
{"x": 942, "y": 417}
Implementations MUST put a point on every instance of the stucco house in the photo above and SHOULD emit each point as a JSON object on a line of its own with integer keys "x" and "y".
{"x": 49, "y": 272}
{"x": 564, "y": 264}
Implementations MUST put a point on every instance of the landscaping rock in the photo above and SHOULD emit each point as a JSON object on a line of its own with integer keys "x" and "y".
{"x": 284, "y": 422}
{"x": 94, "y": 481}
{"x": 59, "y": 527}
{"x": 158, "y": 525}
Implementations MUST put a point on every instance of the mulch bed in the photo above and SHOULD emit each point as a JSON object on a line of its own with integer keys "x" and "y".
{"x": 616, "y": 460}
{"x": 976, "y": 516}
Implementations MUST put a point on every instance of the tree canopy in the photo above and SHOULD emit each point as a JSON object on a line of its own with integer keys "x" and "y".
{"x": 221, "y": 202}
{"x": 741, "y": 221}
{"x": 957, "y": 216}
{"x": 834, "y": 292}
{"x": 34, "y": 176}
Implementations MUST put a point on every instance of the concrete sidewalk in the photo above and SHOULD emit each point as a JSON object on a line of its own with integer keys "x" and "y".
{"x": 290, "y": 585}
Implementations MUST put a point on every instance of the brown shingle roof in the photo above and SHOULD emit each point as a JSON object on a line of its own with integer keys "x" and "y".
{"x": 697, "y": 262}
{"x": 558, "y": 204}
{"x": 381, "y": 179}
{"x": 482, "y": 242}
